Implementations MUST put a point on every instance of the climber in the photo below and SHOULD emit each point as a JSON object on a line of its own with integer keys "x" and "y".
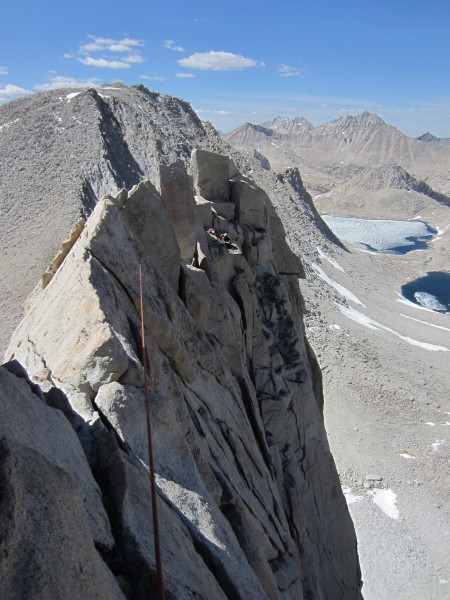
{"x": 225, "y": 238}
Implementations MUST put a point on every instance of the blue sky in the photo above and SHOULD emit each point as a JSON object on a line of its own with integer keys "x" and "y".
{"x": 243, "y": 61}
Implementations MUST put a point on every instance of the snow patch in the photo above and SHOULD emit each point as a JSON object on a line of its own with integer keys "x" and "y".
{"x": 356, "y": 316}
{"x": 440, "y": 233}
{"x": 313, "y": 328}
{"x": 407, "y": 456}
{"x": 72, "y": 95}
{"x": 362, "y": 319}
{"x": 412, "y": 304}
{"x": 436, "y": 445}
{"x": 337, "y": 286}
{"x": 6, "y": 125}
{"x": 387, "y": 501}
{"x": 350, "y": 497}
{"x": 335, "y": 326}
{"x": 429, "y": 301}
{"x": 430, "y": 424}
{"x": 330, "y": 259}
{"x": 425, "y": 322}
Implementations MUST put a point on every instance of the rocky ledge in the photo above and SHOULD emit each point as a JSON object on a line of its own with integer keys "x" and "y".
{"x": 249, "y": 500}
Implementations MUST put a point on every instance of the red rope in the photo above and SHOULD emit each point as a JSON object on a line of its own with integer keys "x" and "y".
{"x": 156, "y": 536}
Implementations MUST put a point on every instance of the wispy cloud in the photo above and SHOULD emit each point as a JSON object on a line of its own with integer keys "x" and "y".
{"x": 287, "y": 71}
{"x": 153, "y": 78}
{"x": 60, "y": 81}
{"x": 207, "y": 111}
{"x": 219, "y": 61}
{"x": 10, "y": 91}
{"x": 108, "y": 53}
{"x": 171, "y": 45}
{"x": 4, "y": 71}
{"x": 184, "y": 75}
{"x": 99, "y": 44}
{"x": 103, "y": 63}
{"x": 134, "y": 59}
{"x": 201, "y": 20}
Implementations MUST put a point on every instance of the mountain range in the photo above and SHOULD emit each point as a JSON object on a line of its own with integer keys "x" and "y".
{"x": 333, "y": 153}
{"x": 255, "y": 341}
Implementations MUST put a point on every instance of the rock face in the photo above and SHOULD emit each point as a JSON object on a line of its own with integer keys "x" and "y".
{"x": 64, "y": 150}
{"x": 250, "y": 503}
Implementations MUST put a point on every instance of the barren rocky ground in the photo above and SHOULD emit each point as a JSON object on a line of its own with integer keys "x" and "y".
{"x": 386, "y": 382}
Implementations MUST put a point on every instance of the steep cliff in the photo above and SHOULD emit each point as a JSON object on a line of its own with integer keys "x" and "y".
{"x": 250, "y": 502}
{"x": 62, "y": 151}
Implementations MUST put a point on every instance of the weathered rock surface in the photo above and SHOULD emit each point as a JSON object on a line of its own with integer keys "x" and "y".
{"x": 52, "y": 520}
{"x": 251, "y": 505}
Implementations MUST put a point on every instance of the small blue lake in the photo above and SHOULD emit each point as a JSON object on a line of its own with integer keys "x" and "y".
{"x": 431, "y": 291}
{"x": 398, "y": 237}
{"x": 382, "y": 236}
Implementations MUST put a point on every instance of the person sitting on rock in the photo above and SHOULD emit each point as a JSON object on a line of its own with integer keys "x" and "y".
{"x": 225, "y": 238}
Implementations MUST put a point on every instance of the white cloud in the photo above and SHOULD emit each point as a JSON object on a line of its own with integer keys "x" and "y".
{"x": 207, "y": 111}
{"x": 171, "y": 45}
{"x": 201, "y": 20}
{"x": 10, "y": 91}
{"x": 153, "y": 78}
{"x": 134, "y": 59}
{"x": 99, "y": 44}
{"x": 66, "y": 82}
{"x": 184, "y": 75}
{"x": 108, "y": 53}
{"x": 104, "y": 63}
{"x": 218, "y": 61}
{"x": 4, "y": 71}
{"x": 287, "y": 71}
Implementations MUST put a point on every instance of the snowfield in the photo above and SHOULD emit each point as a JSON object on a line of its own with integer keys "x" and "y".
{"x": 380, "y": 235}
{"x": 363, "y": 319}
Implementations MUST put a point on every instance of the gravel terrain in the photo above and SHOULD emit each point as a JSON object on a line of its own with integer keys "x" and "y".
{"x": 387, "y": 413}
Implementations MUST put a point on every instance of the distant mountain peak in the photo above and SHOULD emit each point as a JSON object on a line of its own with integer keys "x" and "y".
{"x": 428, "y": 137}
{"x": 364, "y": 119}
{"x": 247, "y": 126}
{"x": 286, "y": 125}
